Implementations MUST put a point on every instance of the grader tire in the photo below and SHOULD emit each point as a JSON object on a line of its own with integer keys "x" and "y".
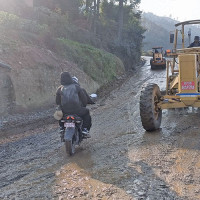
{"x": 152, "y": 65}
{"x": 150, "y": 115}
{"x": 164, "y": 66}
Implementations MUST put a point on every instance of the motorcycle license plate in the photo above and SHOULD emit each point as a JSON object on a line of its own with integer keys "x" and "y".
{"x": 69, "y": 125}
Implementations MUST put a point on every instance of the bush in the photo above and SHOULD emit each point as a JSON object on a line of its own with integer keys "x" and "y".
{"x": 57, "y": 23}
{"x": 12, "y": 21}
{"x": 98, "y": 64}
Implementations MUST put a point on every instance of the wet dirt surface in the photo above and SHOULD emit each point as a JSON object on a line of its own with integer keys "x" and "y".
{"x": 120, "y": 161}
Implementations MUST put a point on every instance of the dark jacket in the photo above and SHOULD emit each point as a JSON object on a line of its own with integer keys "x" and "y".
{"x": 88, "y": 100}
{"x": 70, "y": 96}
{"x": 194, "y": 44}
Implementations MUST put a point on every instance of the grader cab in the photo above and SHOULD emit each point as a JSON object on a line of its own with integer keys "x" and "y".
{"x": 182, "y": 82}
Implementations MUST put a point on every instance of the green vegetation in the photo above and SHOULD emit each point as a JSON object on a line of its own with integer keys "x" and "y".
{"x": 83, "y": 28}
{"x": 98, "y": 64}
{"x": 114, "y": 26}
{"x": 122, "y": 31}
{"x": 12, "y": 21}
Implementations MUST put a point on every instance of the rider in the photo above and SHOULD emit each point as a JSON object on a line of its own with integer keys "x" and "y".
{"x": 88, "y": 99}
{"x": 72, "y": 100}
{"x": 196, "y": 42}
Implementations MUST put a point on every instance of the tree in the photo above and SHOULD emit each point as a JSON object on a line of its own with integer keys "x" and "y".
{"x": 132, "y": 3}
{"x": 120, "y": 26}
{"x": 113, "y": 25}
{"x": 98, "y": 7}
{"x": 71, "y": 7}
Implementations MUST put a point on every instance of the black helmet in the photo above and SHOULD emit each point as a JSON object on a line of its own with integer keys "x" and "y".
{"x": 66, "y": 78}
{"x": 196, "y": 38}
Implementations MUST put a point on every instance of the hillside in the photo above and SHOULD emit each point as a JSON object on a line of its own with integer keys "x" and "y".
{"x": 158, "y": 30}
{"x": 37, "y": 60}
{"x": 40, "y": 39}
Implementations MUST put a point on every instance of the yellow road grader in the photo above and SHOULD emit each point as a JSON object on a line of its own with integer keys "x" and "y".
{"x": 182, "y": 82}
{"x": 158, "y": 61}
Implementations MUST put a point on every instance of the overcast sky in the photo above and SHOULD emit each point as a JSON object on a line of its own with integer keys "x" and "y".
{"x": 177, "y": 9}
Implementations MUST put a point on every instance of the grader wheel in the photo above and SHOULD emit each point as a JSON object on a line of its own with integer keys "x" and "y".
{"x": 150, "y": 114}
{"x": 152, "y": 65}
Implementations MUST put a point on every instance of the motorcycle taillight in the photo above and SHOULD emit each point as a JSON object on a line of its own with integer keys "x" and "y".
{"x": 70, "y": 117}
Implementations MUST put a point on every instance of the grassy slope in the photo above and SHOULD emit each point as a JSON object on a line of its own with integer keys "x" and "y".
{"x": 102, "y": 66}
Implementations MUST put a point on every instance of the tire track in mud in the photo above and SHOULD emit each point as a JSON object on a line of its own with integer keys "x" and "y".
{"x": 120, "y": 161}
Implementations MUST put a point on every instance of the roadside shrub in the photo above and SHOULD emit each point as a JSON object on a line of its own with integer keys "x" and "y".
{"x": 57, "y": 23}
{"x": 12, "y": 21}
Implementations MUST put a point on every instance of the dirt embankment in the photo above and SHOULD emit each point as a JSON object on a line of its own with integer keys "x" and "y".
{"x": 34, "y": 77}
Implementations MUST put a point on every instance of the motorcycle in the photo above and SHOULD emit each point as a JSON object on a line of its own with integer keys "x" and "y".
{"x": 72, "y": 134}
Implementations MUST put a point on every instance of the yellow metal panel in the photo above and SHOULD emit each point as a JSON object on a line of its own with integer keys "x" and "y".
{"x": 171, "y": 97}
{"x": 174, "y": 83}
{"x": 172, "y": 105}
{"x": 187, "y": 73}
{"x": 196, "y": 104}
{"x": 177, "y": 105}
{"x": 189, "y": 101}
{"x": 158, "y": 55}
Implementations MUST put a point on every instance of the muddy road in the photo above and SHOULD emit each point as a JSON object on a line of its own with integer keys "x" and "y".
{"x": 121, "y": 160}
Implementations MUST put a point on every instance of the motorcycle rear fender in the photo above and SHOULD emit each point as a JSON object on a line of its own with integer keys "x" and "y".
{"x": 69, "y": 133}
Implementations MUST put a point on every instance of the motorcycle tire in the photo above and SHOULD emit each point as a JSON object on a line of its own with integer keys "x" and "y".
{"x": 70, "y": 147}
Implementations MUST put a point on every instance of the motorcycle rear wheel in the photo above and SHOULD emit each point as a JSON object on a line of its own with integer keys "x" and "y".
{"x": 70, "y": 147}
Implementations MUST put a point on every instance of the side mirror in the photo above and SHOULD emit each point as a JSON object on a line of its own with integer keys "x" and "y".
{"x": 171, "y": 37}
{"x": 93, "y": 97}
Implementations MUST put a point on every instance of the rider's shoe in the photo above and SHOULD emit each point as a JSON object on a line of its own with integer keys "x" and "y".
{"x": 86, "y": 133}
{"x": 61, "y": 129}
